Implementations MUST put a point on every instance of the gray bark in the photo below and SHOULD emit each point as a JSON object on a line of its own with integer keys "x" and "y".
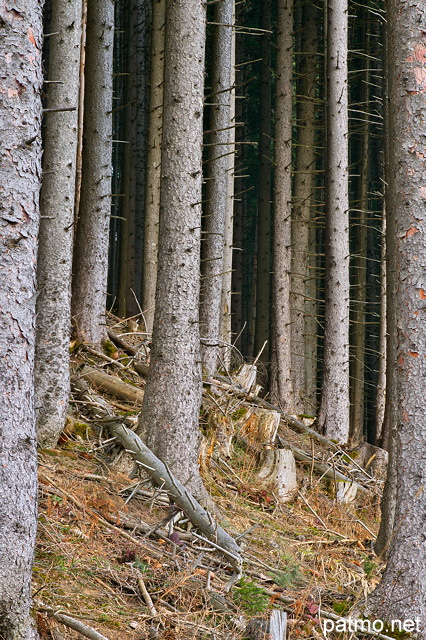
{"x": 135, "y": 161}
{"x": 359, "y": 264}
{"x": 20, "y": 173}
{"x": 281, "y": 384}
{"x": 91, "y": 249}
{"x": 169, "y": 417}
{"x": 226, "y": 328}
{"x": 401, "y": 592}
{"x": 217, "y": 186}
{"x": 54, "y": 264}
{"x": 264, "y": 197}
{"x": 153, "y": 163}
{"x": 303, "y": 330}
{"x": 334, "y": 411}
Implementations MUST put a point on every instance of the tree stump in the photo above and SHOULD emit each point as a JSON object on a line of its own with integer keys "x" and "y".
{"x": 274, "y": 628}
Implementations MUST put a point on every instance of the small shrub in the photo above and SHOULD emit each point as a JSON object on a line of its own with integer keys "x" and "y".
{"x": 250, "y": 597}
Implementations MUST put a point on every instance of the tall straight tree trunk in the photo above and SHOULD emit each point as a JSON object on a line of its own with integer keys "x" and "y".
{"x": 264, "y": 194}
{"x": 381, "y": 381}
{"x": 226, "y": 322}
{"x": 91, "y": 248}
{"x": 20, "y": 171}
{"x": 304, "y": 191}
{"x": 359, "y": 288}
{"x": 217, "y": 185}
{"x": 135, "y": 161}
{"x": 56, "y": 227}
{"x": 155, "y": 126}
{"x": 169, "y": 421}
{"x": 281, "y": 385}
{"x": 334, "y": 411}
{"x": 401, "y": 592}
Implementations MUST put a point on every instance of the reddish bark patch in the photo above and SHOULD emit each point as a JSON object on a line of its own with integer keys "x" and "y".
{"x": 31, "y": 36}
{"x": 411, "y": 231}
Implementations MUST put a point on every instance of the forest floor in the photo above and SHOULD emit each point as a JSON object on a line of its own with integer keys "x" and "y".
{"x": 101, "y": 560}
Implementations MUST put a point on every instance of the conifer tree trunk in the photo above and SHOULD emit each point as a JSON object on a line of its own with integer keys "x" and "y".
{"x": 169, "y": 418}
{"x": 264, "y": 193}
{"x": 401, "y": 592}
{"x": 334, "y": 410}
{"x": 226, "y": 324}
{"x": 56, "y": 227}
{"x": 155, "y": 126}
{"x": 359, "y": 261}
{"x": 281, "y": 383}
{"x": 135, "y": 164}
{"x": 92, "y": 239}
{"x": 217, "y": 185}
{"x": 20, "y": 172}
{"x": 304, "y": 358}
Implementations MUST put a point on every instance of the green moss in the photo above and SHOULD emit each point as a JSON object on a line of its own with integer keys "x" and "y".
{"x": 109, "y": 348}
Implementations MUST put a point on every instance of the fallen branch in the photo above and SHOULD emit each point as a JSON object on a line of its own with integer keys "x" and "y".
{"x": 146, "y": 597}
{"x": 113, "y": 385}
{"x": 162, "y": 477}
{"x": 72, "y": 623}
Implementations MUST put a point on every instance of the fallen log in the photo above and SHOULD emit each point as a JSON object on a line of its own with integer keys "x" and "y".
{"x": 113, "y": 385}
{"x": 162, "y": 477}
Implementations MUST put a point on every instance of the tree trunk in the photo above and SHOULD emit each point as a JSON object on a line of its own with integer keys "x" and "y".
{"x": 264, "y": 194}
{"x": 281, "y": 385}
{"x": 91, "y": 249}
{"x": 135, "y": 163}
{"x": 153, "y": 162}
{"x": 226, "y": 328}
{"x": 169, "y": 421}
{"x": 304, "y": 190}
{"x": 334, "y": 411}
{"x": 53, "y": 323}
{"x": 20, "y": 171}
{"x": 400, "y": 594}
{"x": 217, "y": 186}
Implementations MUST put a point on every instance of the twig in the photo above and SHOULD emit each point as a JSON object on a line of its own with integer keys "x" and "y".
{"x": 146, "y": 597}
{"x": 335, "y": 533}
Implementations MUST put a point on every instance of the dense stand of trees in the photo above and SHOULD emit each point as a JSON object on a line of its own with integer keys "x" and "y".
{"x": 263, "y": 238}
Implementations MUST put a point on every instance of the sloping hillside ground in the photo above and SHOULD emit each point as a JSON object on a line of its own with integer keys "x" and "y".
{"x": 105, "y": 557}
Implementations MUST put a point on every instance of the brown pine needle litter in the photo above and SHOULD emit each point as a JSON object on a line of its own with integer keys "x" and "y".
{"x": 106, "y": 556}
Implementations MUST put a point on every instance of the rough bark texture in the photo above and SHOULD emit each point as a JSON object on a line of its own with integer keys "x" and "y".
{"x": 281, "y": 386}
{"x": 304, "y": 358}
{"x": 401, "y": 593}
{"x": 135, "y": 161}
{"x": 226, "y": 328}
{"x": 169, "y": 418}
{"x": 20, "y": 173}
{"x": 91, "y": 250}
{"x": 217, "y": 186}
{"x": 54, "y": 264}
{"x": 264, "y": 197}
{"x": 334, "y": 411}
{"x": 155, "y": 126}
{"x": 359, "y": 263}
